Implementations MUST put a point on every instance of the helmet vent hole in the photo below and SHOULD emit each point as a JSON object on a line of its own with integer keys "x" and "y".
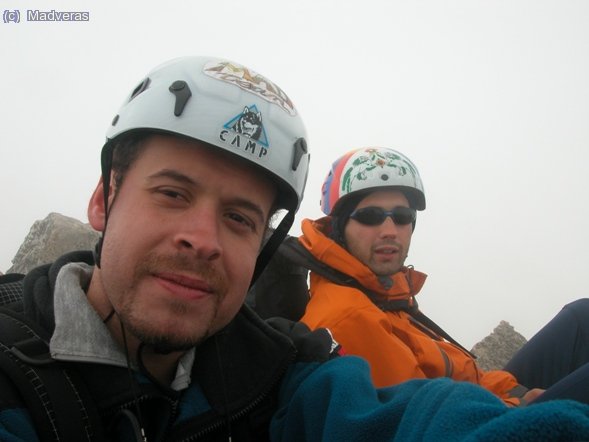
{"x": 384, "y": 177}
{"x": 140, "y": 88}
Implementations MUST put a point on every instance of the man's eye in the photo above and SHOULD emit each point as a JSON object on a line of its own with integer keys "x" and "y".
{"x": 171, "y": 193}
{"x": 171, "y": 196}
{"x": 241, "y": 220}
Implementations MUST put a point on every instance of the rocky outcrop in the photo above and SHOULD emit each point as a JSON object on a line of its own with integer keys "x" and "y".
{"x": 494, "y": 351}
{"x": 50, "y": 238}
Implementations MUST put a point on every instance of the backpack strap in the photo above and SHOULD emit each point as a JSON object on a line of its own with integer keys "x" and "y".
{"x": 11, "y": 288}
{"x": 419, "y": 316}
{"x": 56, "y": 398}
{"x": 292, "y": 249}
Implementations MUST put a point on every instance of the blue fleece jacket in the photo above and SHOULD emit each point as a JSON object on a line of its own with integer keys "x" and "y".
{"x": 336, "y": 402}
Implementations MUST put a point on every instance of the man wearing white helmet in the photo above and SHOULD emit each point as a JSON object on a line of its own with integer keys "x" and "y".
{"x": 147, "y": 338}
{"x": 362, "y": 291}
{"x": 150, "y": 327}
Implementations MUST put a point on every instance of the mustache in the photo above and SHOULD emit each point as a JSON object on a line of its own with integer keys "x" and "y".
{"x": 179, "y": 263}
{"x": 388, "y": 242}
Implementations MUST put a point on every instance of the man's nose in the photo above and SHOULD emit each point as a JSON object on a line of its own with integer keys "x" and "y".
{"x": 388, "y": 228}
{"x": 199, "y": 234}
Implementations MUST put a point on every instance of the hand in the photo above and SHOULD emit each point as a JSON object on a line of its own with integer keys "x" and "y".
{"x": 532, "y": 394}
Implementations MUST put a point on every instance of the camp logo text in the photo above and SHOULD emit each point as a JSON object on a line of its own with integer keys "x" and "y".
{"x": 245, "y": 131}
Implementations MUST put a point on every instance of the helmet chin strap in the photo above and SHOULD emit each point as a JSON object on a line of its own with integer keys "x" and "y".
{"x": 272, "y": 244}
{"x": 106, "y": 166}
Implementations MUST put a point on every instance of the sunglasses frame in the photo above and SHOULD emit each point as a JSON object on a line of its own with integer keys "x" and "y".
{"x": 384, "y": 214}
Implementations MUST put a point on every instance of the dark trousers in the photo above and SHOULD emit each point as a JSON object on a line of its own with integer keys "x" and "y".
{"x": 557, "y": 357}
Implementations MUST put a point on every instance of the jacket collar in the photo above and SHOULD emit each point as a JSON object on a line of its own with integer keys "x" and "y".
{"x": 402, "y": 285}
{"x": 236, "y": 357}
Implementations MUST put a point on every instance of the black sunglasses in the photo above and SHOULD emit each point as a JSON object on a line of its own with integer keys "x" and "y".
{"x": 375, "y": 216}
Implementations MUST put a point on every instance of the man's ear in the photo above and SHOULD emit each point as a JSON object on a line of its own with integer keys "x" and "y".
{"x": 97, "y": 208}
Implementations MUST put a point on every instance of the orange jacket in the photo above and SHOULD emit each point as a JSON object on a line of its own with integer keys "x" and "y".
{"x": 397, "y": 347}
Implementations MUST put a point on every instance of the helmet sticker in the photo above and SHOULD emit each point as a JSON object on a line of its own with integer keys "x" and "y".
{"x": 249, "y": 124}
{"x": 250, "y": 81}
{"x": 364, "y": 164}
{"x": 246, "y": 131}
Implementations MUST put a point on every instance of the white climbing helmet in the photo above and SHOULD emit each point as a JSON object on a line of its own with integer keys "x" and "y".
{"x": 225, "y": 105}
{"x": 230, "y": 107}
{"x": 368, "y": 169}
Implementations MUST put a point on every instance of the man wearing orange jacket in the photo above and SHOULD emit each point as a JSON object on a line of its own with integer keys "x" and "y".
{"x": 360, "y": 288}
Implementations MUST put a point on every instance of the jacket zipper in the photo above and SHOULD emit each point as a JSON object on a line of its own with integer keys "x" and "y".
{"x": 130, "y": 405}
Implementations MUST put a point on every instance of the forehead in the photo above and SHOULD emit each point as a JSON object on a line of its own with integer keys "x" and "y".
{"x": 202, "y": 162}
{"x": 388, "y": 198}
{"x": 172, "y": 149}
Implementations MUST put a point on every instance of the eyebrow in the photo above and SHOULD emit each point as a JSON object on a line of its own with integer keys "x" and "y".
{"x": 181, "y": 178}
{"x": 174, "y": 175}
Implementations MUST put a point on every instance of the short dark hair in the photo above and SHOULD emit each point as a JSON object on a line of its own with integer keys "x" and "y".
{"x": 125, "y": 151}
{"x": 341, "y": 215}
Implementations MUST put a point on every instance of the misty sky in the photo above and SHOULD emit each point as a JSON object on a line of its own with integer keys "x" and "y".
{"x": 490, "y": 99}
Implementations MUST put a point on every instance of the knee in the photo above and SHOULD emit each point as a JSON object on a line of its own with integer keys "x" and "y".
{"x": 579, "y": 308}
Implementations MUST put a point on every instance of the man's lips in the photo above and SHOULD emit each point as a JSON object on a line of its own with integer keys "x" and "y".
{"x": 386, "y": 250}
{"x": 184, "y": 286}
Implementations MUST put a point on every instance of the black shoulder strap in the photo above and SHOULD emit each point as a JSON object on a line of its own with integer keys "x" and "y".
{"x": 420, "y": 316}
{"x": 292, "y": 249}
{"x": 11, "y": 288}
{"x": 56, "y": 398}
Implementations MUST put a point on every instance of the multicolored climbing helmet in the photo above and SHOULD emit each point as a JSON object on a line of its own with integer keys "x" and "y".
{"x": 371, "y": 168}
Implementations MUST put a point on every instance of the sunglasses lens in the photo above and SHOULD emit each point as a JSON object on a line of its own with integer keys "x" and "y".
{"x": 370, "y": 216}
{"x": 403, "y": 215}
{"x": 374, "y": 216}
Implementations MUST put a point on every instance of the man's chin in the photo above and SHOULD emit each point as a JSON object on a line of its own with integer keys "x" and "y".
{"x": 164, "y": 345}
{"x": 164, "y": 342}
{"x": 386, "y": 270}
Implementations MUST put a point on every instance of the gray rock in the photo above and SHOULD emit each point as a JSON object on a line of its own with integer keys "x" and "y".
{"x": 50, "y": 238}
{"x": 494, "y": 351}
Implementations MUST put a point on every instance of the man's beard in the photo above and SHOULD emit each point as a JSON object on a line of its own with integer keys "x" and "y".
{"x": 397, "y": 266}
{"x": 158, "y": 341}
{"x": 161, "y": 343}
